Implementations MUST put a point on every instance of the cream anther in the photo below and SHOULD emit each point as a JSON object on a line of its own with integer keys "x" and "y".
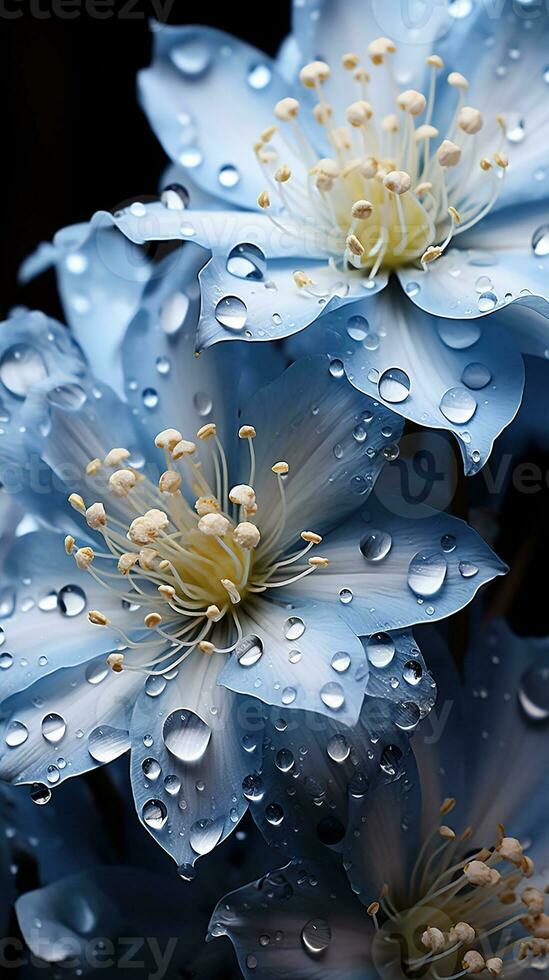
{"x": 390, "y": 123}
{"x": 96, "y": 516}
{"x": 264, "y": 200}
{"x": 167, "y": 592}
{"x": 207, "y": 431}
{"x": 116, "y": 456}
{"x": 242, "y": 495}
{"x": 280, "y": 468}
{"x": 373, "y": 908}
{"x": 502, "y": 160}
{"x": 423, "y": 188}
{"x": 286, "y": 109}
{"x": 231, "y": 590}
{"x": 214, "y": 613}
{"x": 446, "y": 832}
{"x": 183, "y": 448}
{"x": 152, "y": 620}
{"x": 540, "y": 926}
{"x": 433, "y": 939}
{"x": 318, "y": 562}
{"x": 121, "y": 482}
{"x": 448, "y": 154}
{"x": 435, "y": 61}
{"x": 84, "y": 557}
{"x": 206, "y": 647}
{"x": 455, "y": 215}
{"x": 379, "y": 48}
{"x": 431, "y": 254}
{"x": 93, "y": 467}
{"x": 462, "y": 932}
{"x": 126, "y": 562}
{"x": 412, "y": 101}
{"x": 322, "y": 113}
{"x": 167, "y": 439}
{"x": 76, "y": 501}
{"x": 206, "y": 505}
{"x": 510, "y": 848}
{"x": 311, "y": 537}
{"x": 214, "y": 525}
{"x": 69, "y": 544}
{"x": 447, "y": 805}
{"x": 470, "y": 120}
{"x": 485, "y": 164}
{"x": 246, "y": 432}
{"x": 145, "y": 529}
{"x": 494, "y": 965}
{"x": 313, "y": 73}
{"x": 354, "y": 245}
{"x": 473, "y": 962}
{"x": 457, "y": 80}
{"x": 362, "y": 210}
{"x": 301, "y": 279}
{"x": 282, "y": 174}
{"x": 478, "y": 873}
{"x": 97, "y": 618}
{"x": 359, "y": 113}
{"x": 246, "y": 535}
{"x": 268, "y": 133}
{"x": 426, "y": 132}
{"x": 147, "y": 558}
{"x": 350, "y": 61}
{"x": 326, "y": 166}
{"x": 397, "y": 181}
{"x": 169, "y": 482}
{"x": 115, "y": 661}
{"x": 361, "y": 75}
{"x": 534, "y": 900}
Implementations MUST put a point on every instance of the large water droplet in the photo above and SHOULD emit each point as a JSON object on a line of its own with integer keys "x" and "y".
{"x": 294, "y": 627}
{"x": 205, "y": 834}
{"x": 380, "y": 649}
{"x": 173, "y": 312}
{"x": 186, "y": 736}
{"x": 340, "y": 661}
{"x": 228, "y": 176}
{"x": 249, "y": 650}
{"x": 40, "y": 794}
{"x": 175, "y": 197}
{"x": 69, "y": 396}
{"x": 54, "y": 727}
{"x": 390, "y": 758}
{"x": 458, "y": 406}
{"x": 487, "y": 301}
{"x": 467, "y": 569}
{"x": 246, "y": 261}
{"x": 231, "y": 313}
{"x": 533, "y": 692}
{"x": 284, "y": 760}
{"x": 202, "y": 403}
{"x": 407, "y": 715}
{"x": 376, "y": 545}
{"x": 338, "y": 748}
{"x": 106, "y": 743}
{"x": 259, "y": 75}
{"x": 357, "y": 327}
{"x": 252, "y": 787}
{"x": 540, "y": 241}
{"x": 151, "y": 768}
{"x": 426, "y": 573}
{"x": 154, "y": 814}
{"x": 192, "y": 57}
{"x": 71, "y": 600}
{"x": 458, "y": 334}
{"x": 16, "y": 734}
{"x": 476, "y": 376}
{"x": 316, "y": 936}
{"x": 274, "y": 814}
{"x": 412, "y": 672}
{"x": 394, "y": 385}
{"x": 515, "y": 129}
{"x": 21, "y": 367}
{"x": 332, "y": 695}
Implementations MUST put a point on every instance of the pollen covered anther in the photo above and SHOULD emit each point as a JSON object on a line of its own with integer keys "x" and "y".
{"x": 121, "y": 482}
{"x": 355, "y": 245}
{"x": 96, "y": 516}
{"x": 116, "y": 456}
{"x": 207, "y": 431}
{"x": 152, "y": 620}
{"x": 433, "y": 939}
{"x": 115, "y": 662}
{"x": 281, "y": 468}
{"x": 397, "y": 181}
{"x": 318, "y": 562}
{"x": 311, "y": 537}
{"x": 214, "y": 525}
{"x": 97, "y": 618}
{"x": 448, "y": 154}
{"x": 246, "y": 432}
{"x": 206, "y": 505}
{"x": 412, "y": 101}
{"x": 246, "y": 535}
{"x": 69, "y": 544}
{"x": 168, "y": 439}
{"x": 183, "y": 448}
{"x": 313, "y": 73}
{"x": 473, "y": 962}
{"x": 470, "y": 120}
{"x": 84, "y": 557}
{"x": 242, "y": 495}
{"x": 93, "y": 467}
{"x": 169, "y": 482}
{"x": 286, "y": 109}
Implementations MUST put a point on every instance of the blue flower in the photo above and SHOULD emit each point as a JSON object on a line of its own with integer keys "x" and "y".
{"x": 328, "y": 187}
{"x": 447, "y": 860}
{"x": 191, "y": 561}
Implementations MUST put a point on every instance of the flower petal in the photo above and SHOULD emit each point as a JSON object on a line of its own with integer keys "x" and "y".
{"x": 208, "y": 97}
{"x": 193, "y": 743}
{"x": 466, "y": 378}
{"x": 307, "y": 657}
{"x": 401, "y": 571}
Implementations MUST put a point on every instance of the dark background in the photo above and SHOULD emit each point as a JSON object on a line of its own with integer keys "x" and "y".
{"x": 74, "y": 137}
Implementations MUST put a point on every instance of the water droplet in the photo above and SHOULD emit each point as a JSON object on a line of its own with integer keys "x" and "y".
{"x": 284, "y": 760}
{"x": 259, "y": 75}
{"x": 380, "y": 649}
{"x": 515, "y": 128}
{"x": 154, "y": 814}
{"x": 192, "y": 57}
{"x": 294, "y": 627}
{"x": 341, "y": 661}
{"x": 6, "y": 661}
{"x": 246, "y": 261}
{"x": 412, "y": 672}
{"x": 345, "y": 596}
{"x": 173, "y": 312}
{"x": 540, "y": 241}
{"x": 40, "y": 794}
{"x": 467, "y": 569}
{"x": 138, "y": 209}
{"x": 487, "y": 301}
{"x": 150, "y": 398}
{"x": 228, "y": 176}
{"x": 21, "y": 367}
{"x": 394, "y": 386}
{"x": 96, "y": 672}
{"x": 202, "y": 403}
{"x": 53, "y": 728}
{"x": 476, "y": 376}
{"x": 151, "y": 768}
{"x": 52, "y": 774}
{"x": 163, "y": 365}
{"x": 357, "y": 327}
{"x": 458, "y": 406}
{"x": 16, "y": 734}
{"x": 249, "y": 650}
{"x": 175, "y": 197}
{"x": 448, "y": 542}
{"x": 288, "y": 695}
{"x": 48, "y": 602}
{"x": 316, "y": 936}
{"x": 172, "y": 785}
{"x": 412, "y": 288}
{"x": 390, "y": 758}
{"x": 155, "y": 686}
{"x": 426, "y": 573}
{"x": 187, "y": 872}
{"x": 458, "y": 334}
{"x": 186, "y": 736}
{"x": 407, "y": 715}
{"x": 295, "y": 656}
{"x": 252, "y": 787}
{"x": 336, "y": 368}
{"x": 376, "y": 545}
{"x": 371, "y": 342}
{"x": 533, "y": 692}
{"x": 71, "y": 600}
{"x": 332, "y": 695}
{"x": 546, "y": 75}
{"x": 205, "y": 834}
{"x": 69, "y": 396}
{"x": 106, "y": 743}
{"x": 274, "y": 814}
{"x": 338, "y": 748}
{"x": 231, "y": 313}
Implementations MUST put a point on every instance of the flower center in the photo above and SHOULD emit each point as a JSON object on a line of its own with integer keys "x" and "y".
{"x": 393, "y": 192}
{"x": 466, "y": 914}
{"x": 188, "y": 566}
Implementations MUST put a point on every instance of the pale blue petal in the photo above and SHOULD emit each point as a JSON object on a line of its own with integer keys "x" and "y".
{"x": 398, "y": 673}
{"x": 332, "y": 437}
{"x": 276, "y": 922}
{"x": 412, "y": 578}
{"x": 308, "y": 658}
{"x": 464, "y": 377}
{"x": 208, "y": 97}
{"x": 193, "y": 744}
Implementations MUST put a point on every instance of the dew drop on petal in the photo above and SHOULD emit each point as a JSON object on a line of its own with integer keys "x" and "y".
{"x": 106, "y": 743}
{"x": 16, "y": 734}
{"x": 426, "y": 573}
{"x": 155, "y": 685}
{"x": 231, "y": 313}
{"x": 205, "y": 834}
{"x": 249, "y": 650}
{"x": 476, "y": 376}
{"x": 191, "y": 57}
{"x": 380, "y": 649}
{"x": 228, "y": 176}
{"x": 533, "y": 692}
{"x": 6, "y": 660}
{"x": 40, "y": 794}
{"x": 345, "y": 596}
{"x": 154, "y": 814}
{"x": 394, "y": 386}
{"x": 487, "y": 301}
{"x": 332, "y": 695}
{"x": 338, "y": 748}
{"x": 21, "y": 367}
{"x": 316, "y": 936}
{"x": 407, "y": 715}
{"x": 259, "y": 76}
{"x": 458, "y": 406}
{"x": 412, "y": 672}
{"x": 247, "y": 261}
{"x": 340, "y": 661}
{"x": 294, "y": 627}
{"x": 274, "y": 814}
{"x": 467, "y": 569}
{"x": 71, "y": 600}
{"x": 53, "y": 727}
{"x": 448, "y": 542}
{"x": 151, "y": 768}
{"x": 336, "y": 368}
{"x": 288, "y": 695}
{"x": 186, "y": 735}
{"x": 540, "y": 241}
{"x": 175, "y": 197}
{"x": 376, "y": 545}
{"x": 357, "y": 327}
